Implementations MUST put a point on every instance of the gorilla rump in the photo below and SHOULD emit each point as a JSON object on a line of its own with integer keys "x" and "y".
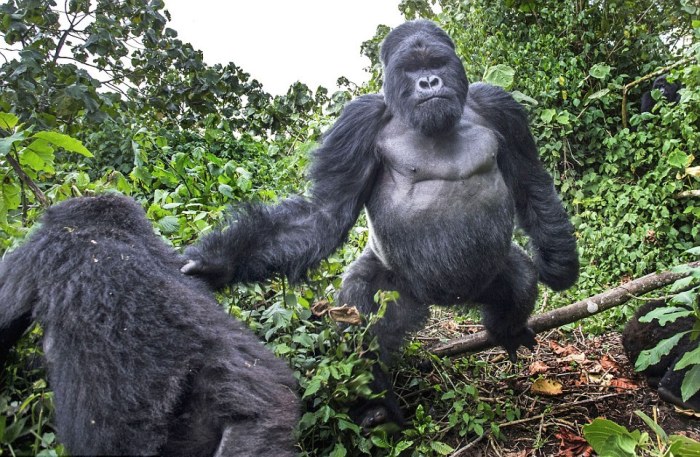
{"x": 443, "y": 168}
{"x": 639, "y": 336}
{"x": 142, "y": 359}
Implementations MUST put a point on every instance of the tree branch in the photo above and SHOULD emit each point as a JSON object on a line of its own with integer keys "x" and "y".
{"x": 568, "y": 314}
{"x": 27, "y": 180}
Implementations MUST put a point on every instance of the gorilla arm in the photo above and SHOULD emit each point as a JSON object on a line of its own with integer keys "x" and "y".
{"x": 297, "y": 233}
{"x": 538, "y": 207}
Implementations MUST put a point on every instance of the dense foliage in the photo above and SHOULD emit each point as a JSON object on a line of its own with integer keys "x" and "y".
{"x": 102, "y": 95}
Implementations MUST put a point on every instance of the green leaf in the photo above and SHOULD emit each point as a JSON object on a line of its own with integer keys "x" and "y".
{"x": 8, "y": 121}
{"x": 522, "y": 98}
{"x": 169, "y": 224}
{"x": 311, "y": 388}
{"x": 689, "y": 358}
{"x": 694, "y": 251}
{"x": 500, "y": 75}
{"x": 653, "y": 425}
{"x": 652, "y": 356}
{"x": 682, "y": 283}
{"x": 66, "y": 142}
{"x": 7, "y": 142}
{"x": 598, "y": 94}
{"x": 441, "y": 448}
{"x": 599, "y": 71}
{"x": 338, "y": 451}
{"x": 548, "y": 115}
{"x": 691, "y": 383}
{"x": 682, "y": 446}
{"x": 678, "y": 159}
{"x": 610, "y": 439}
{"x": 665, "y": 314}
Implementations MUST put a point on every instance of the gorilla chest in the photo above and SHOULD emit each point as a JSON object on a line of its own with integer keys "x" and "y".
{"x": 450, "y": 171}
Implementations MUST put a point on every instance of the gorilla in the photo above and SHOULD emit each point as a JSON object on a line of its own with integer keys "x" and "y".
{"x": 142, "y": 360}
{"x": 668, "y": 91}
{"x": 639, "y": 336}
{"x": 443, "y": 169}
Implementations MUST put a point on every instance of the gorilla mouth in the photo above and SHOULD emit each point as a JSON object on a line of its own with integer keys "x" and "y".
{"x": 425, "y": 100}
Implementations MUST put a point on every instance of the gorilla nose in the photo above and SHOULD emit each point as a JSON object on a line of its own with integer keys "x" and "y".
{"x": 430, "y": 83}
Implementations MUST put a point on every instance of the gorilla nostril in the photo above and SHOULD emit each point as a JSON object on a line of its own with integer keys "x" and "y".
{"x": 435, "y": 82}
{"x": 424, "y": 84}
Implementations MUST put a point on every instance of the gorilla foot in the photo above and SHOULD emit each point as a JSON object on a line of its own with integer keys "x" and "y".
{"x": 670, "y": 397}
{"x": 525, "y": 337}
{"x": 382, "y": 412}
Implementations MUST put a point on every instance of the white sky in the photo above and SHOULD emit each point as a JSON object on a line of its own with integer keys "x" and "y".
{"x": 279, "y": 42}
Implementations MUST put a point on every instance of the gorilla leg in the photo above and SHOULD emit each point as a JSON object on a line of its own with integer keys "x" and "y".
{"x": 508, "y": 301}
{"x": 364, "y": 278}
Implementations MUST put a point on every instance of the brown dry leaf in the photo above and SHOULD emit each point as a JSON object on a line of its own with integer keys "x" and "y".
{"x": 548, "y": 387}
{"x": 572, "y": 445}
{"x": 449, "y": 325}
{"x": 582, "y": 379}
{"x": 562, "y": 350}
{"x": 320, "y": 308}
{"x": 595, "y": 368}
{"x": 346, "y": 314}
{"x": 622, "y": 384}
{"x": 538, "y": 367}
{"x": 574, "y": 357}
{"x": 609, "y": 364}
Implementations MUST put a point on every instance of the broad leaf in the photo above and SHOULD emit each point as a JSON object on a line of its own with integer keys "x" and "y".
{"x": 652, "y": 356}
{"x": 66, "y": 142}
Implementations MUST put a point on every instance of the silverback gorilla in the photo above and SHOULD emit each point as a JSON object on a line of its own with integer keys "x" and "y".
{"x": 443, "y": 169}
{"x": 142, "y": 359}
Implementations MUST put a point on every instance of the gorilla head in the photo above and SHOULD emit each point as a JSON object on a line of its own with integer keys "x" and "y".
{"x": 424, "y": 80}
{"x": 668, "y": 90}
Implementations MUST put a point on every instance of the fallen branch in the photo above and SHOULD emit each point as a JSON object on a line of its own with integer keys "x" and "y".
{"x": 571, "y": 313}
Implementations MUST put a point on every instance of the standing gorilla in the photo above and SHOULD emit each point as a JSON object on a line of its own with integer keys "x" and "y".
{"x": 142, "y": 360}
{"x": 442, "y": 168}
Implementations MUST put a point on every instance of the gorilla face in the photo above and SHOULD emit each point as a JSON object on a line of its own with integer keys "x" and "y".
{"x": 425, "y": 83}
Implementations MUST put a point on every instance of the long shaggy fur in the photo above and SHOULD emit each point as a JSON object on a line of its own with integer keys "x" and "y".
{"x": 141, "y": 358}
{"x": 639, "y": 336}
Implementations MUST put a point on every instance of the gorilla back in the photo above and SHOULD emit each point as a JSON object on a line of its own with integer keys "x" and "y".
{"x": 142, "y": 359}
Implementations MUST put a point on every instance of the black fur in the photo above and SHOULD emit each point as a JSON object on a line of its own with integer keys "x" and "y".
{"x": 668, "y": 90}
{"x": 443, "y": 169}
{"x": 142, "y": 359}
{"x": 640, "y": 336}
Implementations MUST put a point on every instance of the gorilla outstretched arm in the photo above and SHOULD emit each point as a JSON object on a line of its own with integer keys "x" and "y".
{"x": 297, "y": 233}
{"x": 538, "y": 207}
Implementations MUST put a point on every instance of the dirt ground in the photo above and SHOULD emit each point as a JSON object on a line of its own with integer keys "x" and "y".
{"x": 567, "y": 381}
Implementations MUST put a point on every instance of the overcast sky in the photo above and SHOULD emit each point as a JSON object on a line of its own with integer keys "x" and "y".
{"x": 282, "y": 41}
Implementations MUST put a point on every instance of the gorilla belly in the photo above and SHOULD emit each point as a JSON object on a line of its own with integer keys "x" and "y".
{"x": 445, "y": 239}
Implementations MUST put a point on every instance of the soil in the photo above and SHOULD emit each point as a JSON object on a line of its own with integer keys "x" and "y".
{"x": 581, "y": 378}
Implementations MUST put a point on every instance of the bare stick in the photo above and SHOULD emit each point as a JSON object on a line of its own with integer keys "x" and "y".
{"x": 571, "y": 313}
